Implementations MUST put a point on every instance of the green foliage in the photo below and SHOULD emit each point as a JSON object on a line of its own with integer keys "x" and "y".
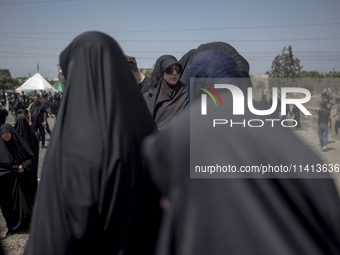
{"x": 311, "y": 74}
{"x": 316, "y": 74}
{"x": 332, "y": 74}
{"x": 146, "y": 71}
{"x": 285, "y": 65}
{"x": 315, "y": 81}
{"x": 6, "y": 80}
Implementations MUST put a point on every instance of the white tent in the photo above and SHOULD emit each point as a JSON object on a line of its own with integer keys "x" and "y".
{"x": 36, "y": 82}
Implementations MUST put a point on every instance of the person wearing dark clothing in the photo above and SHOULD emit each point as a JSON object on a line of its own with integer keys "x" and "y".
{"x": 95, "y": 195}
{"x": 296, "y": 113}
{"x": 238, "y": 215}
{"x": 18, "y": 180}
{"x": 46, "y": 101}
{"x": 145, "y": 84}
{"x": 325, "y": 100}
{"x": 323, "y": 119}
{"x": 288, "y": 111}
{"x": 264, "y": 100}
{"x": 167, "y": 95}
{"x": 24, "y": 97}
{"x": 26, "y": 131}
{"x": 143, "y": 81}
{"x": 11, "y": 103}
{"x": 19, "y": 105}
{"x": 55, "y": 105}
{"x": 337, "y": 115}
{"x": 3, "y": 115}
{"x": 3, "y": 99}
{"x": 38, "y": 118}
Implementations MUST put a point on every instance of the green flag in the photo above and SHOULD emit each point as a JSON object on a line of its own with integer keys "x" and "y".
{"x": 37, "y": 67}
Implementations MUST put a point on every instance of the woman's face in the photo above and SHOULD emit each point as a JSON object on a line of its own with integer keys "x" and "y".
{"x": 172, "y": 73}
{"x": 6, "y": 136}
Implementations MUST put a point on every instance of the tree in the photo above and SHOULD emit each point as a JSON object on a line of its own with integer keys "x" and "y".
{"x": 285, "y": 65}
{"x": 6, "y": 80}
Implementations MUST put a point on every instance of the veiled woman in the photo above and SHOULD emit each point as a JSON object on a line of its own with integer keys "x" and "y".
{"x": 95, "y": 195}
{"x": 226, "y": 215}
{"x": 167, "y": 95}
{"x": 18, "y": 182}
{"x": 25, "y": 130}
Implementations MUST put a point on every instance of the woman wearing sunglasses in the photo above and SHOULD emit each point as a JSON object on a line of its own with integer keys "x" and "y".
{"x": 167, "y": 95}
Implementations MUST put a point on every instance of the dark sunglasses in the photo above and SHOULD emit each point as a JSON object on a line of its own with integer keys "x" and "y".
{"x": 170, "y": 70}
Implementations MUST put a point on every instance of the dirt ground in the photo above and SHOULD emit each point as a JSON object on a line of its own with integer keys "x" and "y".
{"x": 15, "y": 244}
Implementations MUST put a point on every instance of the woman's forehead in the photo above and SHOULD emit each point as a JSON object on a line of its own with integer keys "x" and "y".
{"x": 174, "y": 65}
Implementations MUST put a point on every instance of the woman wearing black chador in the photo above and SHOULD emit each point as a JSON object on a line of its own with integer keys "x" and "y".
{"x": 18, "y": 182}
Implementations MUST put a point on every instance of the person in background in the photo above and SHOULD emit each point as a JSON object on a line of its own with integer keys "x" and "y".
{"x": 18, "y": 182}
{"x": 3, "y": 114}
{"x": 327, "y": 90}
{"x": 55, "y": 106}
{"x": 325, "y": 100}
{"x": 37, "y": 118}
{"x": 297, "y": 115}
{"x": 20, "y": 104}
{"x": 142, "y": 80}
{"x": 24, "y": 97}
{"x": 11, "y": 103}
{"x": 3, "y": 99}
{"x": 30, "y": 103}
{"x": 337, "y": 115}
{"x": 46, "y": 101}
{"x": 323, "y": 120}
{"x": 167, "y": 95}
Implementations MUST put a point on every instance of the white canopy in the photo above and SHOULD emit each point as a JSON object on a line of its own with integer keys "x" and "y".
{"x": 36, "y": 82}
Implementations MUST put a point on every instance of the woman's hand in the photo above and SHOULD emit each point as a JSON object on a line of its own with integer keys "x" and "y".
{"x": 20, "y": 169}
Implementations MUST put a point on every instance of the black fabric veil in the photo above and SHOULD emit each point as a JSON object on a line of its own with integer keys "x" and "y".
{"x": 240, "y": 216}
{"x": 95, "y": 195}
{"x": 165, "y": 101}
{"x": 242, "y": 63}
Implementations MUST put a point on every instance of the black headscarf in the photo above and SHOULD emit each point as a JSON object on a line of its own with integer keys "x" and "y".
{"x": 240, "y": 216}
{"x": 242, "y": 63}
{"x": 17, "y": 190}
{"x": 95, "y": 195}
{"x": 209, "y": 64}
{"x": 55, "y": 105}
{"x": 164, "y": 100}
{"x": 18, "y": 146}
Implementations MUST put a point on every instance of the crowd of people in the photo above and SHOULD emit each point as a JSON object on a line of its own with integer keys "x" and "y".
{"x": 116, "y": 175}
